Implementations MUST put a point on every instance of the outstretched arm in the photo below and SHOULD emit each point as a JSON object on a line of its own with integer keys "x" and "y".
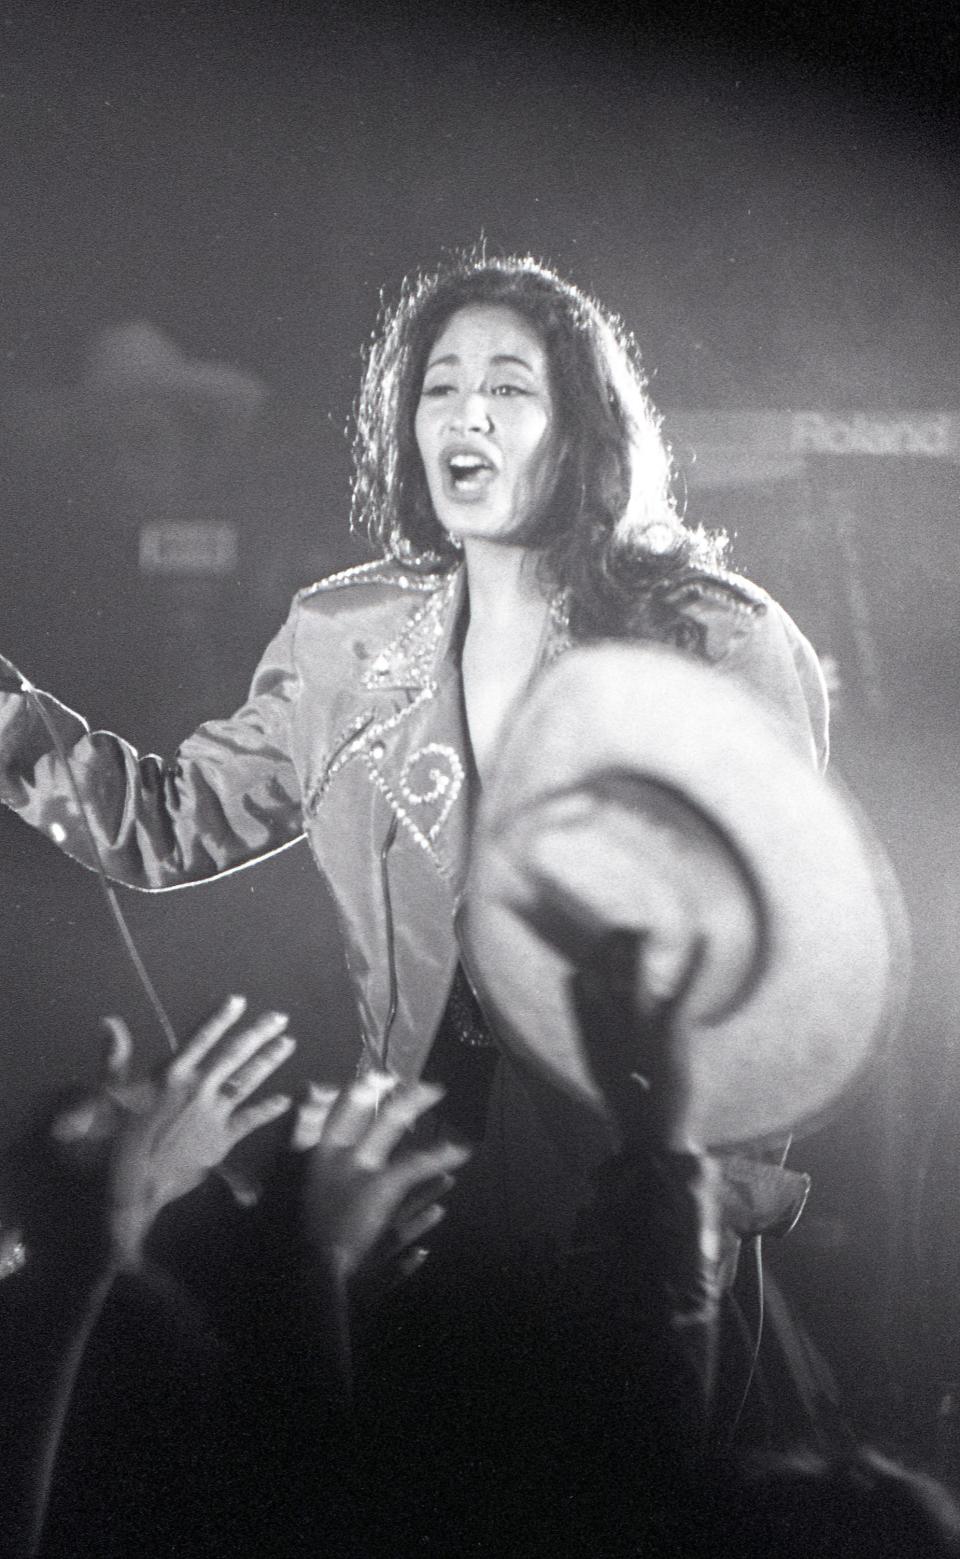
{"x": 230, "y": 794}
{"x": 648, "y": 1243}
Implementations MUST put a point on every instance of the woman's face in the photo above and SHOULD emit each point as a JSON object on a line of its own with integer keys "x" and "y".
{"x": 486, "y": 424}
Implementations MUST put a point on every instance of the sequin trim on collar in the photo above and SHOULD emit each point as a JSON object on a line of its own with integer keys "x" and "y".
{"x": 409, "y": 659}
{"x": 375, "y": 572}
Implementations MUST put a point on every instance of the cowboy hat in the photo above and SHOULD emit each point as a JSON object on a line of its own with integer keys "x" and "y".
{"x": 640, "y": 789}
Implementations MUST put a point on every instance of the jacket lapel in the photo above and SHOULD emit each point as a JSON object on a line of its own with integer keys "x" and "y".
{"x": 413, "y": 740}
{"x": 417, "y": 755}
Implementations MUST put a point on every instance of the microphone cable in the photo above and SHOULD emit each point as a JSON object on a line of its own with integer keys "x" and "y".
{"x": 116, "y": 913}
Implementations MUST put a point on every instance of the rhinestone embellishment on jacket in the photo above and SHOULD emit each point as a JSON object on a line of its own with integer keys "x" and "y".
{"x": 409, "y": 659}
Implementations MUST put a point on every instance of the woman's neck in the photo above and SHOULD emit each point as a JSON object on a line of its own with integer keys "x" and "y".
{"x": 503, "y": 582}
{"x": 508, "y": 616}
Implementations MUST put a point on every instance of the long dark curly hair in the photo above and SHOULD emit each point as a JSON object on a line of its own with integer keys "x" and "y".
{"x": 611, "y": 536}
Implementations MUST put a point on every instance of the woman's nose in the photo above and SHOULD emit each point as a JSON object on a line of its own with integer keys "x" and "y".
{"x": 471, "y": 413}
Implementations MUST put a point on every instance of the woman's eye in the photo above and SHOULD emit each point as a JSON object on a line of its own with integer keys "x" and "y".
{"x": 510, "y": 389}
{"x": 434, "y": 391}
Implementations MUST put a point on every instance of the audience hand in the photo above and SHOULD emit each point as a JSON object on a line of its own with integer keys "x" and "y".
{"x": 368, "y": 1202}
{"x": 636, "y": 1041}
{"x": 157, "y": 1139}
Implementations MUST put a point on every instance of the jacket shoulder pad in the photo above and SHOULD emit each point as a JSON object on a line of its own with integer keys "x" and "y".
{"x": 717, "y": 589}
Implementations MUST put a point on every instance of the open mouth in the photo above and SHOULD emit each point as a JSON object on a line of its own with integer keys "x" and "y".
{"x": 468, "y": 472}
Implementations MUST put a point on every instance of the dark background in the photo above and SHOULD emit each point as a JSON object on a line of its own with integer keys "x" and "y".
{"x": 770, "y": 200}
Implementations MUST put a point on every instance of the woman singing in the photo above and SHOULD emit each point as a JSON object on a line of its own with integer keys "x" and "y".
{"x": 510, "y": 469}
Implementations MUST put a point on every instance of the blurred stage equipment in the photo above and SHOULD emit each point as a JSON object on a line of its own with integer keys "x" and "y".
{"x": 849, "y": 517}
{"x": 740, "y": 448}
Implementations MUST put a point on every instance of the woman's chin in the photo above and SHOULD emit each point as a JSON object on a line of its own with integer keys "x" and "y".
{"x": 465, "y": 528}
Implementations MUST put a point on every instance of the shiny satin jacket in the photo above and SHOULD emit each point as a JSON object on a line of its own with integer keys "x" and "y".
{"x": 354, "y": 734}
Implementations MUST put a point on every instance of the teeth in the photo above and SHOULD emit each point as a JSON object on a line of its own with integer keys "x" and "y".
{"x": 467, "y": 463}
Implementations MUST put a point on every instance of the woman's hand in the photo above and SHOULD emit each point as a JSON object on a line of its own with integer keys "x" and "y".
{"x": 159, "y": 1138}
{"x": 368, "y": 1202}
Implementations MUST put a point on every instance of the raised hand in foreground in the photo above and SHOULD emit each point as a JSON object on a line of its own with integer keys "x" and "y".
{"x": 157, "y": 1139}
{"x": 368, "y": 1200}
{"x": 94, "y": 1183}
{"x": 637, "y": 1041}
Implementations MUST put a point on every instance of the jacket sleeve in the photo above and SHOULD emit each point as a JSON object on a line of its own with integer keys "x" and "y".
{"x": 229, "y": 796}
